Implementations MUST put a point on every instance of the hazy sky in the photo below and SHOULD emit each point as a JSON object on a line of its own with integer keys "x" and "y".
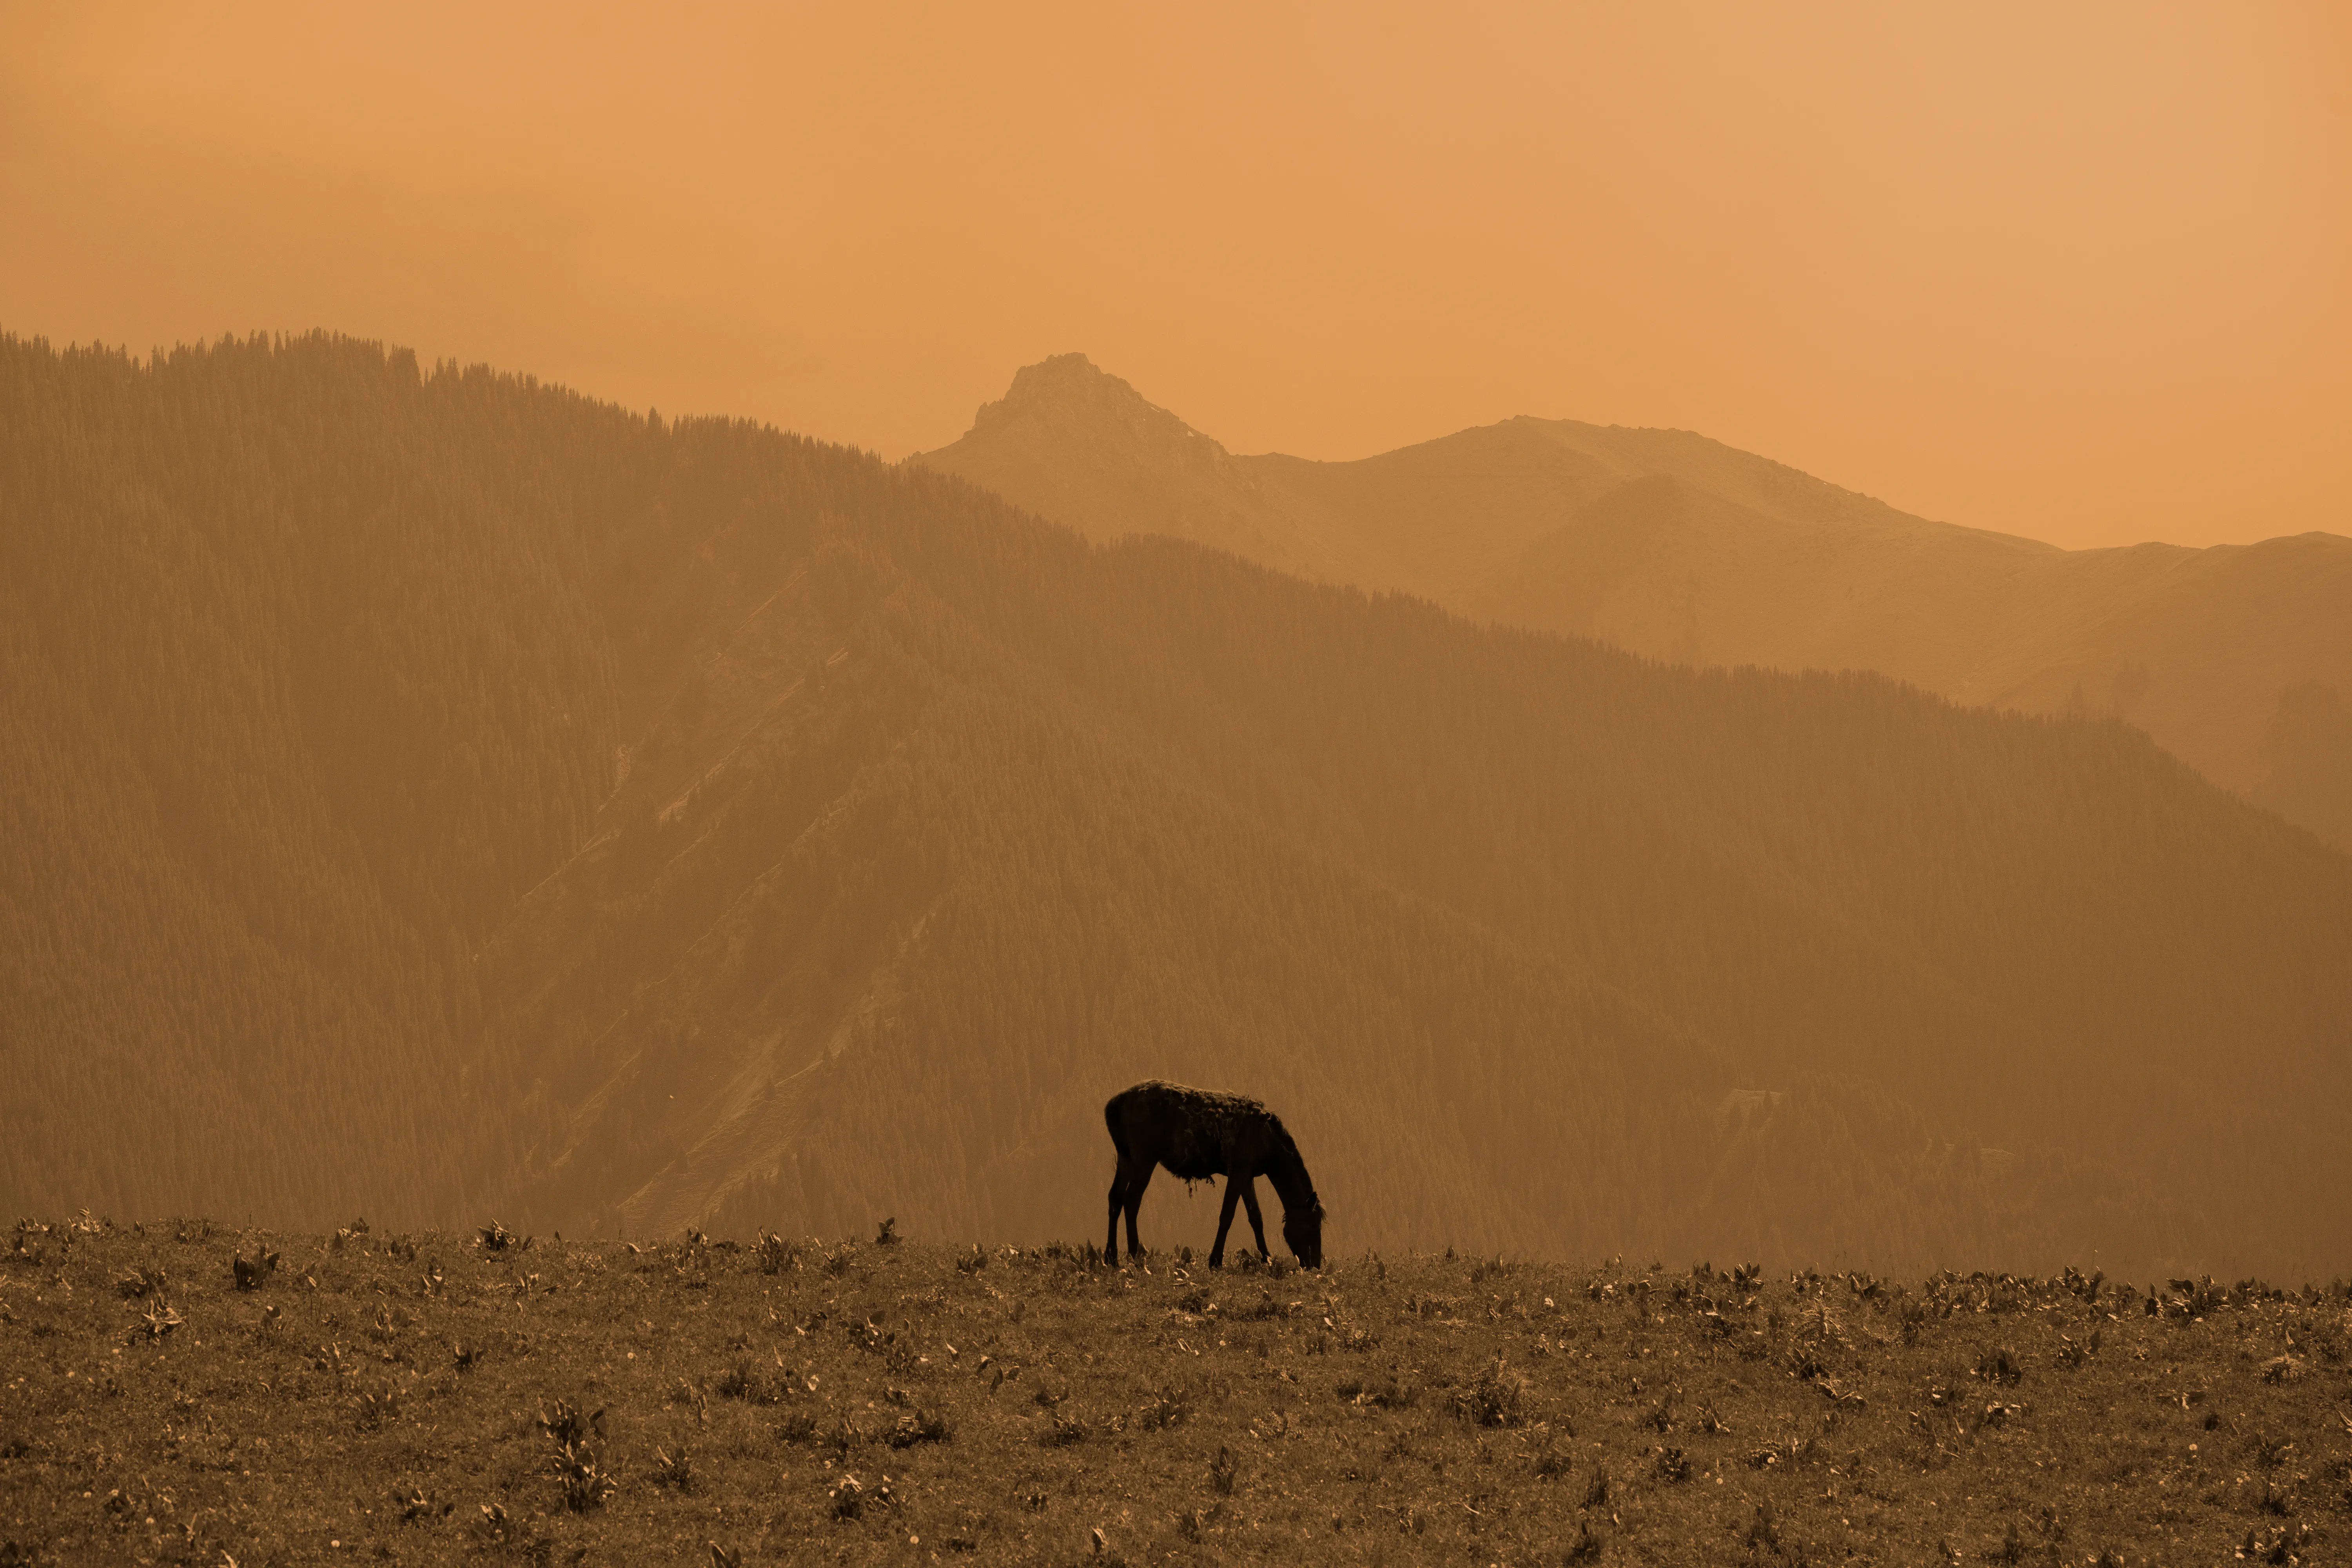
{"x": 2077, "y": 271}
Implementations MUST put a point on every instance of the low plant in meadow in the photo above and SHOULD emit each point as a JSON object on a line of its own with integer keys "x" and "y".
{"x": 565, "y": 1428}
{"x": 1169, "y": 1407}
{"x": 375, "y": 1409}
{"x": 673, "y": 1467}
{"x": 158, "y": 1320}
{"x": 924, "y": 1426}
{"x": 774, "y": 1253}
{"x": 851, "y": 1499}
{"x": 140, "y": 1280}
{"x": 251, "y": 1275}
{"x": 1495, "y": 1397}
{"x": 583, "y": 1480}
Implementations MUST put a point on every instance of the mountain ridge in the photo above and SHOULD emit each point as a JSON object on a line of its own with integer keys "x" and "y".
{"x": 2237, "y": 657}
{"x": 433, "y": 793}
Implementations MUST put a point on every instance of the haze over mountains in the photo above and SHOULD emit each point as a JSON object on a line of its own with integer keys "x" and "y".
{"x": 2237, "y": 657}
{"x": 431, "y": 795}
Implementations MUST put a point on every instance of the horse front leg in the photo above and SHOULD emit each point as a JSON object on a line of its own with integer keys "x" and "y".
{"x": 1257, "y": 1221}
{"x": 1226, "y": 1223}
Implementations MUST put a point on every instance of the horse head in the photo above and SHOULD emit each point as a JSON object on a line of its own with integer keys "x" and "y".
{"x": 1302, "y": 1228}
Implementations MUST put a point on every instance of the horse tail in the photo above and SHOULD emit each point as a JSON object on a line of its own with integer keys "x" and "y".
{"x": 1111, "y": 1122}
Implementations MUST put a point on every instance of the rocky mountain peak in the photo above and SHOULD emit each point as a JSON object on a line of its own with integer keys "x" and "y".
{"x": 1069, "y": 395}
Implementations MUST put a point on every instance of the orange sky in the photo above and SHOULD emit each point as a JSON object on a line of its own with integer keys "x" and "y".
{"x": 2080, "y": 271}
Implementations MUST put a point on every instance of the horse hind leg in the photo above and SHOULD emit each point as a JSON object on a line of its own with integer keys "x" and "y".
{"x": 1135, "y": 1206}
{"x": 1117, "y": 1202}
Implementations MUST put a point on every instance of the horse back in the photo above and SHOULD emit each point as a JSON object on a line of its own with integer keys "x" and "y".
{"x": 1196, "y": 1133}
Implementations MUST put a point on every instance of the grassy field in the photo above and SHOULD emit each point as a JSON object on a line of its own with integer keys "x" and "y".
{"x": 440, "y": 1398}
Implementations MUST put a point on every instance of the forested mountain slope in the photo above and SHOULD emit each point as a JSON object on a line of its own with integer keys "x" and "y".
{"x": 428, "y": 793}
{"x": 296, "y": 700}
{"x": 2237, "y": 658}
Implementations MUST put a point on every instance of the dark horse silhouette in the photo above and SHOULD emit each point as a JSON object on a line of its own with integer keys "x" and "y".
{"x": 1198, "y": 1133}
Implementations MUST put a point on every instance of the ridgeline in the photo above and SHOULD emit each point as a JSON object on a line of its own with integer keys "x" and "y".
{"x": 427, "y": 791}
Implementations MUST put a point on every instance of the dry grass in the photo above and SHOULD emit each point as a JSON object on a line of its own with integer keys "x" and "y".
{"x": 475, "y": 1398}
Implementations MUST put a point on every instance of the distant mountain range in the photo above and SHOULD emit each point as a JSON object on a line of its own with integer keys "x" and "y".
{"x": 2237, "y": 658}
{"x": 437, "y": 796}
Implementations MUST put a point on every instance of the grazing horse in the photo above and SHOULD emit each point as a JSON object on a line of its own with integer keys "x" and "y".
{"x": 1198, "y": 1133}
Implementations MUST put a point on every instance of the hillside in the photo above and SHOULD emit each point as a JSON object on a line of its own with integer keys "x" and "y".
{"x": 423, "y": 1397}
{"x": 431, "y": 790}
{"x": 2237, "y": 658}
